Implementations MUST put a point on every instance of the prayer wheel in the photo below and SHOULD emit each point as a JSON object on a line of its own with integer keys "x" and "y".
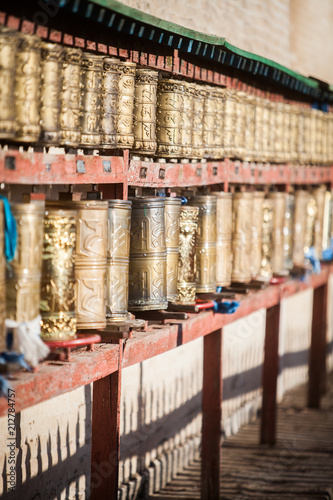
{"x": 301, "y": 201}
{"x": 170, "y": 106}
{"x": 70, "y": 98}
{"x": 319, "y": 194}
{"x": 8, "y": 47}
{"x": 279, "y": 209}
{"x": 198, "y": 147}
{"x": 145, "y": 97}
{"x": 148, "y": 256}
{"x": 126, "y": 85}
{"x": 118, "y": 250}
{"x": 327, "y": 221}
{"x": 267, "y": 232}
{"x": 172, "y": 214}
{"x": 242, "y": 237}
{"x": 109, "y": 102}
{"x": 58, "y": 276}
{"x": 311, "y": 214}
{"x": 91, "y": 83}
{"x": 188, "y": 226}
{"x": 257, "y": 215}
{"x": 288, "y": 231}
{"x": 187, "y": 120}
{"x": 223, "y": 238}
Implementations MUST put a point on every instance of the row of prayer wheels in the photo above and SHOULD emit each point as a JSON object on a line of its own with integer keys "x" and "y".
{"x": 82, "y": 264}
{"x": 57, "y": 95}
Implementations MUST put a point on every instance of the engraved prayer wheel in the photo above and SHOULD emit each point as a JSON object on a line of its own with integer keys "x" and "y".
{"x": 277, "y": 147}
{"x": 172, "y": 214}
{"x": 300, "y": 221}
{"x": 145, "y": 99}
{"x": 242, "y": 237}
{"x": 24, "y": 272}
{"x": 259, "y": 108}
{"x": 294, "y": 133}
{"x": 279, "y": 210}
{"x": 286, "y": 133}
{"x": 170, "y": 105}
{"x": 319, "y": 195}
{"x": 2, "y": 279}
{"x": 58, "y": 277}
{"x": 223, "y": 238}
{"x": 51, "y": 58}
{"x": 27, "y": 88}
{"x": 126, "y": 85}
{"x": 109, "y": 102}
{"x": 209, "y": 124}
{"x": 272, "y": 131}
{"x": 256, "y": 248}
{"x": 8, "y": 47}
{"x": 249, "y": 139}
{"x": 198, "y": 148}
{"x": 240, "y": 111}
{"x": 70, "y": 98}
{"x": 267, "y": 232}
{"x": 91, "y": 81}
{"x": 118, "y": 251}
{"x": 265, "y": 135}
{"x": 327, "y": 220}
{"x": 187, "y": 120}
{"x": 229, "y": 126}
{"x": 206, "y": 243}
{"x": 311, "y": 214}
{"x": 188, "y": 225}
{"x": 147, "y": 272}
{"x": 288, "y": 231}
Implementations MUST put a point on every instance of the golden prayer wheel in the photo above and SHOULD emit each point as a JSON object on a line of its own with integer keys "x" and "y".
{"x": 307, "y": 137}
{"x": 27, "y": 88}
{"x": 70, "y": 98}
{"x": 223, "y": 238}
{"x": 272, "y": 132}
{"x": 258, "y": 129}
{"x": 229, "y": 125}
{"x": 240, "y": 112}
{"x": 249, "y": 139}
{"x": 209, "y": 122}
{"x": 58, "y": 277}
{"x": 294, "y": 133}
{"x": 205, "y": 243}
{"x": 198, "y": 148}
{"x": 327, "y": 221}
{"x": 24, "y": 272}
{"x": 8, "y": 47}
{"x": 145, "y": 97}
{"x": 279, "y": 138}
{"x": 170, "y": 105}
{"x": 286, "y": 133}
{"x": 2, "y": 279}
{"x": 109, "y": 102}
{"x": 257, "y": 216}
{"x": 147, "y": 272}
{"x": 279, "y": 210}
{"x": 187, "y": 120}
{"x": 188, "y": 226}
{"x": 265, "y": 137}
{"x": 300, "y": 221}
{"x": 242, "y": 237}
{"x": 51, "y": 55}
{"x": 125, "y": 136}
{"x": 288, "y": 231}
{"x": 311, "y": 214}
{"x": 118, "y": 251}
{"x": 91, "y": 80}
{"x": 172, "y": 214}
{"x": 219, "y": 117}
{"x": 267, "y": 232}
{"x": 319, "y": 194}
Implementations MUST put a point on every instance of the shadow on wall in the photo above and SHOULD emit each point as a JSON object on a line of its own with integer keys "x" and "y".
{"x": 60, "y": 478}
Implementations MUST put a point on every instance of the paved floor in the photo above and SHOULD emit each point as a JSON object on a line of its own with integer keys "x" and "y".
{"x": 299, "y": 466}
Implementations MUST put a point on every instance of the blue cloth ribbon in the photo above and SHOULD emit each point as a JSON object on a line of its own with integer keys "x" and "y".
{"x": 4, "y": 387}
{"x": 226, "y": 307}
{"x": 184, "y": 200}
{"x": 314, "y": 261}
{"x": 13, "y": 357}
{"x": 218, "y": 289}
{"x": 327, "y": 254}
{"x": 10, "y": 230}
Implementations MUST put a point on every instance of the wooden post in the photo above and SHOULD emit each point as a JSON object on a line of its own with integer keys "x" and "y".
{"x": 106, "y": 434}
{"x": 317, "y": 358}
{"x": 211, "y": 416}
{"x": 270, "y": 375}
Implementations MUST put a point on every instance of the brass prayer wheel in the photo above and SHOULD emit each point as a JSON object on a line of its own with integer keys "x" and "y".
{"x": 109, "y": 102}
{"x": 205, "y": 243}
{"x": 319, "y": 195}
{"x": 258, "y": 129}
{"x": 147, "y": 271}
{"x": 300, "y": 220}
{"x": 265, "y": 135}
{"x": 209, "y": 122}
{"x": 223, "y": 238}
{"x": 172, "y": 214}
{"x": 126, "y": 84}
{"x": 240, "y": 110}
{"x": 27, "y": 88}
{"x": 267, "y": 232}
{"x": 188, "y": 225}
{"x": 279, "y": 210}
{"x": 327, "y": 221}
{"x": 24, "y": 272}
{"x": 51, "y": 55}
{"x": 187, "y": 120}
{"x": 58, "y": 278}
{"x": 219, "y": 94}
{"x": 2, "y": 280}
{"x": 170, "y": 105}
{"x": 8, "y": 47}
{"x": 145, "y": 99}
{"x": 256, "y": 248}
{"x": 229, "y": 126}
{"x": 288, "y": 231}
{"x": 242, "y": 237}
{"x": 311, "y": 214}
{"x": 70, "y": 97}
{"x": 118, "y": 251}
{"x": 91, "y": 80}
{"x": 294, "y": 133}
{"x": 249, "y": 139}
{"x": 198, "y": 148}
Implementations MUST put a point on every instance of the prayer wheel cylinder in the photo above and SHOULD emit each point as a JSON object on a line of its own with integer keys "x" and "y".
{"x": 145, "y": 99}
{"x": 300, "y": 220}
{"x": 319, "y": 194}
{"x": 109, "y": 102}
{"x": 288, "y": 231}
{"x": 188, "y": 226}
{"x": 172, "y": 214}
{"x": 126, "y": 85}
{"x": 257, "y": 215}
{"x": 223, "y": 238}
{"x": 242, "y": 237}
{"x": 70, "y": 98}
{"x": 8, "y": 48}
{"x": 170, "y": 106}
{"x": 279, "y": 210}
{"x": 267, "y": 234}
{"x": 91, "y": 82}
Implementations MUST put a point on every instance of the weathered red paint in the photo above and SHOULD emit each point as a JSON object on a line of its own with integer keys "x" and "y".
{"x": 211, "y": 448}
{"x": 270, "y": 375}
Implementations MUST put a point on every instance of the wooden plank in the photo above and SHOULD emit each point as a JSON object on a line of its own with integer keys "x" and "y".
{"x": 211, "y": 416}
{"x": 317, "y": 359}
{"x": 105, "y": 446}
{"x": 270, "y": 375}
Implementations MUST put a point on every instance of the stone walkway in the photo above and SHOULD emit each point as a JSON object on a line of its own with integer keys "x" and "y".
{"x": 299, "y": 466}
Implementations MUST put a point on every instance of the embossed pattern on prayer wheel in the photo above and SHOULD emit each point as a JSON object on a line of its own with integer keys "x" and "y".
{"x": 279, "y": 210}
{"x": 188, "y": 227}
{"x": 145, "y": 98}
{"x": 170, "y": 106}
{"x": 8, "y": 47}
{"x": 91, "y": 82}
{"x": 267, "y": 232}
{"x": 109, "y": 102}
{"x": 172, "y": 214}
{"x": 300, "y": 221}
{"x": 126, "y": 85}
{"x": 223, "y": 238}
{"x": 288, "y": 231}
{"x": 242, "y": 237}
{"x": 70, "y": 98}
{"x": 257, "y": 215}
{"x": 51, "y": 55}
